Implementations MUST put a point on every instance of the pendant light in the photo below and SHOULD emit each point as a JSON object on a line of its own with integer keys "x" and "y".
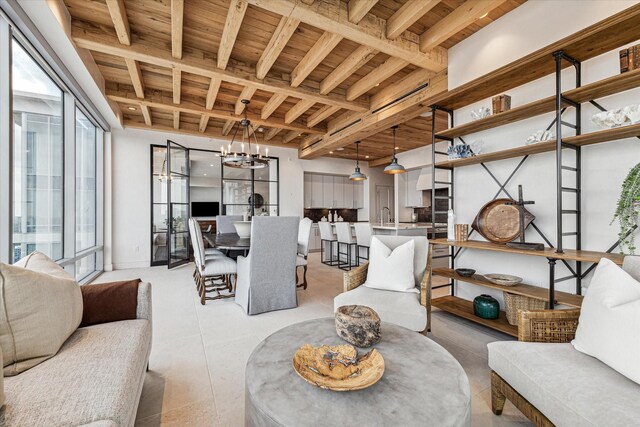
{"x": 394, "y": 167}
{"x": 242, "y": 159}
{"x": 357, "y": 175}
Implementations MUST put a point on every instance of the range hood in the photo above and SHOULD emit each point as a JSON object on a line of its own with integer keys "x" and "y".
{"x": 424, "y": 180}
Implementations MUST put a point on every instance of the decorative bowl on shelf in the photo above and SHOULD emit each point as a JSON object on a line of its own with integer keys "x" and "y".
{"x": 243, "y": 228}
{"x": 503, "y": 279}
{"x": 338, "y": 368}
{"x": 465, "y": 272}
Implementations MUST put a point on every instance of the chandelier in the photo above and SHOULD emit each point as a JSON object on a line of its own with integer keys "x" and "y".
{"x": 244, "y": 159}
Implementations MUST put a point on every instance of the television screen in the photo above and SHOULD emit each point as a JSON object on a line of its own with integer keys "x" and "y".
{"x": 199, "y": 209}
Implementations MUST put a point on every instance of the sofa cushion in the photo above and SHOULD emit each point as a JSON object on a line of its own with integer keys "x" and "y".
{"x": 95, "y": 378}
{"x": 109, "y": 302}
{"x": 609, "y": 323}
{"x": 399, "y": 308}
{"x": 38, "y": 312}
{"x": 37, "y": 261}
{"x": 568, "y": 387}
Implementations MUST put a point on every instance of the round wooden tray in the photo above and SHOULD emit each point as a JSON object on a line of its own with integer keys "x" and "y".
{"x": 338, "y": 368}
{"x": 499, "y": 222}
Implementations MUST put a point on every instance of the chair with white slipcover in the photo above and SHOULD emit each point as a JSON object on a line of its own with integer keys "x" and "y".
{"x": 304, "y": 235}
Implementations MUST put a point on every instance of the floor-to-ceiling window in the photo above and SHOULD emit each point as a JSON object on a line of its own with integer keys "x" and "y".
{"x": 86, "y": 181}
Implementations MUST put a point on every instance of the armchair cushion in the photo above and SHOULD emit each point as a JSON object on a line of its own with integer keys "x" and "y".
{"x": 109, "y": 302}
{"x": 37, "y": 261}
{"x": 609, "y": 320}
{"x": 400, "y": 308}
{"x": 391, "y": 270}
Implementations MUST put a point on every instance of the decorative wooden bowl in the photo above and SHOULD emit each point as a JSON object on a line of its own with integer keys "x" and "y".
{"x": 338, "y": 368}
{"x": 503, "y": 279}
{"x": 499, "y": 222}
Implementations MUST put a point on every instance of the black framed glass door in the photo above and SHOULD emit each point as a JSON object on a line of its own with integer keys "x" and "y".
{"x": 179, "y": 207}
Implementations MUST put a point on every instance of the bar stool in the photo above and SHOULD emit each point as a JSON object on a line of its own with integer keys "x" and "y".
{"x": 326, "y": 235}
{"x": 343, "y": 230}
{"x": 363, "y": 240}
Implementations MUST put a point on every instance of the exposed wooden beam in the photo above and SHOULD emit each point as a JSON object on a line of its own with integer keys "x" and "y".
{"x": 463, "y": 16}
{"x": 407, "y": 15}
{"x": 162, "y": 101}
{"x": 321, "y": 114}
{"x": 176, "y": 119}
{"x": 332, "y": 16}
{"x": 212, "y": 93}
{"x": 285, "y": 29}
{"x": 382, "y": 161}
{"x": 307, "y": 1}
{"x": 247, "y": 93}
{"x": 232, "y": 24}
{"x": 197, "y": 63}
{"x": 310, "y": 139}
{"x": 314, "y": 56}
{"x": 177, "y": 84}
{"x": 411, "y": 81}
{"x": 177, "y": 19}
{"x": 120, "y": 21}
{"x": 146, "y": 113}
{"x": 204, "y": 121}
{"x": 357, "y": 59}
{"x": 359, "y": 8}
{"x": 290, "y": 136}
{"x": 272, "y": 105}
{"x": 271, "y": 133}
{"x": 136, "y": 76}
{"x": 228, "y": 125}
{"x": 390, "y": 67}
{"x": 297, "y": 110}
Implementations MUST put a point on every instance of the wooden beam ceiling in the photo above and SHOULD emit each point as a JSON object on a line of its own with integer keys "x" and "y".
{"x": 316, "y": 54}
{"x": 136, "y": 76}
{"x": 146, "y": 114}
{"x": 332, "y": 16}
{"x": 274, "y": 102}
{"x": 407, "y": 15}
{"x": 120, "y": 21}
{"x": 359, "y": 8}
{"x": 235, "y": 15}
{"x": 297, "y": 110}
{"x": 177, "y": 21}
{"x": 247, "y": 93}
{"x": 322, "y": 114}
{"x": 271, "y": 133}
{"x": 390, "y": 67}
{"x": 286, "y": 27}
{"x": 212, "y": 93}
{"x": 176, "y": 77}
{"x": 350, "y": 65}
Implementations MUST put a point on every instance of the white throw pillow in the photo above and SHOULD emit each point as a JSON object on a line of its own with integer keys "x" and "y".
{"x": 391, "y": 270}
{"x": 609, "y": 325}
{"x": 37, "y": 261}
{"x": 38, "y": 312}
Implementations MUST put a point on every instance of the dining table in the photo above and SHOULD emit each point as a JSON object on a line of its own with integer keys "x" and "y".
{"x": 228, "y": 241}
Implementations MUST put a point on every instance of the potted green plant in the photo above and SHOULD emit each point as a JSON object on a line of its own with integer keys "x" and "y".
{"x": 628, "y": 209}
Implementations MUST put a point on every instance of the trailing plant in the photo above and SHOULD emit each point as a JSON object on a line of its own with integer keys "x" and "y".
{"x": 628, "y": 209}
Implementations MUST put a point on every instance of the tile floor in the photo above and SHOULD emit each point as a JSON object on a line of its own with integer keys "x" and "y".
{"x": 196, "y": 375}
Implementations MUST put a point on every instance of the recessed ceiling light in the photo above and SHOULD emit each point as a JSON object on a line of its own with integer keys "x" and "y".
{"x": 340, "y": 149}
{"x": 378, "y": 85}
{"x": 299, "y": 134}
{"x": 205, "y": 174}
{"x": 397, "y": 148}
{"x": 211, "y": 165}
{"x": 330, "y": 152}
{"x": 484, "y": 16}
{"x": 260, "y": 129}
{"x": 366, "y": 157}
{"x": 132, "y": 108}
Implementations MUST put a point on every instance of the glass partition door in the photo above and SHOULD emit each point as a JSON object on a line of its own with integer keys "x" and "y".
{"x": 178, "y": 197}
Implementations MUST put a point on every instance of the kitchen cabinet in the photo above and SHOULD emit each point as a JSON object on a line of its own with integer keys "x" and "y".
{"x": 338, "y": 193}
{"x": 315, "y": 241}
{"x": 308, "y": 200}
{"x": 348, "y": 196}
{"x": 358, "y": 194}
{"x": 332, "y": 192}
{"x": 327, "y": 191}
{"x": 317, "y": 200}
{"x": 413, "y": 196}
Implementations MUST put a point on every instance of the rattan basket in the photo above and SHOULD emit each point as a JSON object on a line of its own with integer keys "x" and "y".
{"x": 514, "y": 302}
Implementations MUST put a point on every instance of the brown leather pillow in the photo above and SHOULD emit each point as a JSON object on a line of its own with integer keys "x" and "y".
{"x": 109, "y": 302}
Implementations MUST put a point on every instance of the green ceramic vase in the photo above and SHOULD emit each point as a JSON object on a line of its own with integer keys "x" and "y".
{"x": 486, "y": 307}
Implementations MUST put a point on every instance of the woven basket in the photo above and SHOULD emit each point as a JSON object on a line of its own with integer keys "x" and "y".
{"x": 513, "y": 303}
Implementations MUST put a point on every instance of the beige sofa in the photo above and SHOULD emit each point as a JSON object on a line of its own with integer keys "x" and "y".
{"x": 95, "y": 379}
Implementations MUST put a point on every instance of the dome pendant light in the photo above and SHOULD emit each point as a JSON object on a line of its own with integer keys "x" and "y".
{"x": 357, "y": 175}
{"x": 394, "y": 167}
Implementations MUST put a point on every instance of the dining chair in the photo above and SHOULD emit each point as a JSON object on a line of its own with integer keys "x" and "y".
{"x": 208, "y": 252}
{"x": 304, "y": 235}
{"x": 266, "y": 276}
{"x": 224, "y": 223}
{"x": 326, "y": 236}
{"x": 363, "y": 240}
{"x": 345, "y": 239}
{"x": 218, "y": 271}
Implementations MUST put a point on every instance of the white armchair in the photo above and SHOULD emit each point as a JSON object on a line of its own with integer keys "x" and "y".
{"x": 267, "y": 276}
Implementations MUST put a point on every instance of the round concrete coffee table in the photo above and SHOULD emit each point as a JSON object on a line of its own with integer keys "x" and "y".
{"x": 422, "y": 383}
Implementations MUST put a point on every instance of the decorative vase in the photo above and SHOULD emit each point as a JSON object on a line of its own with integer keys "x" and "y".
{"x": 358, "y": 325}
{"x": 486, "y": 307}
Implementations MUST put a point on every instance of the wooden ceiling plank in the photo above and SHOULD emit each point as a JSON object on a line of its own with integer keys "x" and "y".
{"x": 357, "y": 59}
{"x": 382, "y": 161}
{"x": 197, "y": 64}
{"x": 463, "y": 16}
{"x": 204, "y": 121}
{"x": 411, "y": 81}
{"x": 290, "y": 136}
{"x": 235, "y": 15}
{"x": 321, "y": 114}
{"x": 407, "y": 15}
{"x": 297, "y": 110}
{"x": 120, "y": 21}
{"x": 359, "y": 8}
{"x": 146, "y": 113}
{"x": 390, "y": 67}
{"x": 176, "y": 119}
{"x": 228, "y": 125}
{"x": 332, "y": 16}
{"x": 286, "y": 27}
{"x": 177, "y": 84}
{"x": 177, "y": 20}
{"x": 271, "y": 133}
{"x": 325, "y": 44}
{"x": 247, "y": 93}
{"x": 271, "y": 105}
{"x": 136, "y": 76}
{"x": 212, "y": 93}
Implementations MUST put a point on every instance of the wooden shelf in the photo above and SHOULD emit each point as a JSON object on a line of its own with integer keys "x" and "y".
{"x": 463, "y": 308}
{"x": 597, "y": 137}
{"x": 568, "y": 254}
{"x": 609, "y": 86}
{"x": 536, "y": 292}
{"x": 601, "y": 37}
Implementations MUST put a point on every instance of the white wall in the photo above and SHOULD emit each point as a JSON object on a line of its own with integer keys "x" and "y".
{"x": 130, "y": 205}
{"x": 604, "y": 166}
